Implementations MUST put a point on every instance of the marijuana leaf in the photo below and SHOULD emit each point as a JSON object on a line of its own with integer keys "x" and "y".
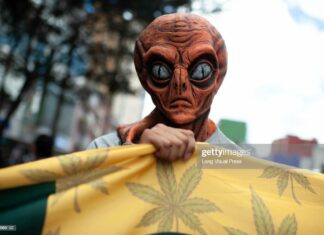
{"x": 263, "y": 220}
{"x": 303, "y": 181}
{"x": 190, "y": 219}
{"x": 146, "y": 193}
{"x": 166, "y": 179}
{"x": 99, "y": 185}
{"x": 282, "y": 182}
{"x": 39, "y": 175}
{"x": 73, "y": 164}
{"x": 189, "y": 182}
{"x": 166, "y": 222}
{"x": 234, "y": 231}
{"x": 199, "y": 205}
{"x": 173, "y": 202}
{"x": 82, "y": 176}
{"x": 284, "y": 176}
{"x": 288, "y": 226}
{"x": 152, "y": 216}
{"x": 54, "y": 232}
{"x": 271, "y": 172}
{"x": 70, "y": 164}
{"x": 262, "y": 217}
{"x": 79, "y": 172}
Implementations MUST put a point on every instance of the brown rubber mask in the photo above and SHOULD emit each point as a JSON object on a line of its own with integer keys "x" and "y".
{"x": 181, "y": 61}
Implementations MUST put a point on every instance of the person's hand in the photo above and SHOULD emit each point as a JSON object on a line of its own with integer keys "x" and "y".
{"x": 171, "y": 143}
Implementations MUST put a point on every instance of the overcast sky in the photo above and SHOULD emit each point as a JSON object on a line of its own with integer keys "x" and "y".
{"x": 275, "y": 79}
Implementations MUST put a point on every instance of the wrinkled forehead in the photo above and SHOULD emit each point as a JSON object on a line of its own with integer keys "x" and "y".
{"x": 178, "y": 30}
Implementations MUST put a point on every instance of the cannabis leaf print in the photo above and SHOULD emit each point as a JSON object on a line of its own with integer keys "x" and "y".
{"x": 39, "y": 175}
{"x": 234, "y": 231}
{"x": 76, "y": 172}
{"x": 173, "y": 203}
{"x": 284, "y": 177}
{"x": 54, "y": 232}
{"x": 288, "y": 225}
{"x": 82, "y": 172}
{"x": 262, "y": 217}
{"x": 263, "y": 220}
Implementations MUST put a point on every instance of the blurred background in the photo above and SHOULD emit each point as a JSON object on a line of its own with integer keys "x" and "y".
{"x": 67, "y": 74}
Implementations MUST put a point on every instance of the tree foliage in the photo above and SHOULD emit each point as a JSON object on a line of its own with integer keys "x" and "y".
{"x": 58, "y": 41}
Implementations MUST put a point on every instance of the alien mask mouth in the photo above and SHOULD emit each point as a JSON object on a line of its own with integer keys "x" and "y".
{"x": 180, "y": 103}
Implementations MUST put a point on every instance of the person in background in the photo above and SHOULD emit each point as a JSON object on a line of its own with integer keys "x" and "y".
{"x": 43, "y": 146}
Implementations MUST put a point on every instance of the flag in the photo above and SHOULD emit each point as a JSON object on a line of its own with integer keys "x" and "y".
{"x": 126, "y": 190}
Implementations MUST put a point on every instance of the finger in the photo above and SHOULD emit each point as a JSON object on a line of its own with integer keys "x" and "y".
{"x": 179, "y": 139}
{"x": 190, "y": 148}
{"x": 164, "y": 151}
{"x": 159, "y": 126}
{"x": 161, "y": 144}
{"x": 187, "y": 132}
{"x": 177, "y": 149}
{"x": 183, "y": 145}
{"x": 175, "y": 146}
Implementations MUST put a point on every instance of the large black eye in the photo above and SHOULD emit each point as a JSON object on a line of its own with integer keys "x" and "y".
{"x": 161, "y": 72}
{"x": 201, "y": 71}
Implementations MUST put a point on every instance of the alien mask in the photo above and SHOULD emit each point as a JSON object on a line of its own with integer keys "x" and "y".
{"x": 181, "y": 61}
